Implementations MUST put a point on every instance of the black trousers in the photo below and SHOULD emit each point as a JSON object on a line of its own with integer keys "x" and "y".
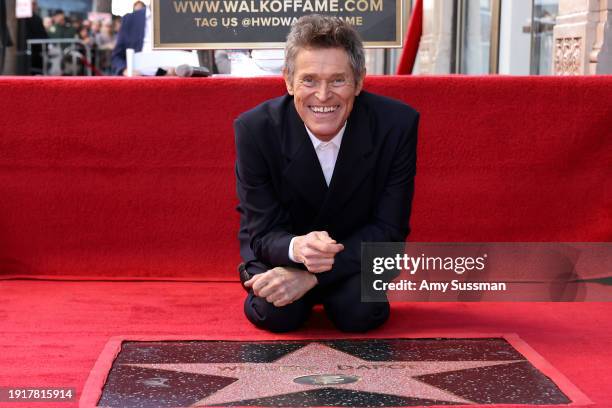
{"x": 342, "y": 304}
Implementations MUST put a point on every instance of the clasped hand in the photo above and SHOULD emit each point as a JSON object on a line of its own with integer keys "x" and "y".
{"x": 282, "y": 285}
{"x": 316, "y": 250}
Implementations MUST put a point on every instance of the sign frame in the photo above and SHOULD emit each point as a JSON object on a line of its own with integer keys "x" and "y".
{"x": 158, "y": 45}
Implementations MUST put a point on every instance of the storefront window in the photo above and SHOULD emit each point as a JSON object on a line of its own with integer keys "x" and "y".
{"x": 476, "y": 37}
{"x": 544, "y": 18}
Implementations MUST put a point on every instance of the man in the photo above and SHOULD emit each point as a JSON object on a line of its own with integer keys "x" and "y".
{"x": 138, "y": 5}
{"x": 134, "y": 29}
{"x": 319, "y": 171}
{"x": 137, "y": 33}
{"x": 5, "y": 36}
{"x": 60, "y": 28}
{"x": 31, "y": 28}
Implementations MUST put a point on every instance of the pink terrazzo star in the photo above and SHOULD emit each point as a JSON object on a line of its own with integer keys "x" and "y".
{"x": 260, "y": 380}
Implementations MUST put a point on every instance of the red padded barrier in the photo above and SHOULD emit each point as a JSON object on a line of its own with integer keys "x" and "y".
{"x": 117, "y": 177}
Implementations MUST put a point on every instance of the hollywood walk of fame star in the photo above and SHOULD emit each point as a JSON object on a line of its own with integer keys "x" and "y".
{"x": 261, "y": 380}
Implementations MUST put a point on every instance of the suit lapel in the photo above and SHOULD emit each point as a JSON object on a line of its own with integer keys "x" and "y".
{"x": 354, "y": 162}
{"x": 303, "y": 170}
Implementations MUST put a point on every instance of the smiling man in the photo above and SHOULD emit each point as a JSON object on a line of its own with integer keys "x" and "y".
{"x": 319, "y": 171}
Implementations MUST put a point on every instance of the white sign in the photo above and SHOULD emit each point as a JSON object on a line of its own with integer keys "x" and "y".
{"x": 23, "y": 8}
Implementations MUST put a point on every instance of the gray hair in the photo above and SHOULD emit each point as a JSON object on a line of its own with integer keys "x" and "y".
{"x": 317, "y": 31}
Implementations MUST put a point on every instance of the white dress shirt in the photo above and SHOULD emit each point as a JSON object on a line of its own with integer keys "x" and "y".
{"x": 327, "y": 152}
{"x": 147, "y": 42}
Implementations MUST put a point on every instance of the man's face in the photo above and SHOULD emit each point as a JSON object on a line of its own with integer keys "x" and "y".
{"x": 324, "y": 89}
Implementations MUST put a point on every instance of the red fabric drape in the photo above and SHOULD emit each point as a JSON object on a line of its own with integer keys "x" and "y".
{"x": 112, "y": 177}
{"x": 413, "y": 38}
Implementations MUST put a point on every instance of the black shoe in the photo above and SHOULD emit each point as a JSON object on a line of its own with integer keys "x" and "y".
{"x": 244, "y": 275}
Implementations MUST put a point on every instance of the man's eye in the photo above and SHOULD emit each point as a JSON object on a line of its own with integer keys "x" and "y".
{"x": 307, "y": 81}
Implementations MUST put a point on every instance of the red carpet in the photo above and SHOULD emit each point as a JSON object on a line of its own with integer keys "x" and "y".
{"x": 53, "y": 332}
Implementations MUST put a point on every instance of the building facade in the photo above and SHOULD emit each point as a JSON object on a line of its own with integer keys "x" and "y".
{"x": 519, "y": 37}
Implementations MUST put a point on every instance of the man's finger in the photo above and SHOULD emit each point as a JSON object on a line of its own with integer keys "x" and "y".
{"x": 315, "y": 263}
{"x": 324, "y": 236}
{"x": 277, "y": 296}
{"x": 282, "y": 302}
{"x": 260, "y": 283}
{"x": 251, "y": 281}
{"x": 266, "y": 290}
{"x": 319, "y": 269}
{"x": 325, "y": 247}
{"x": 313, "y": 253}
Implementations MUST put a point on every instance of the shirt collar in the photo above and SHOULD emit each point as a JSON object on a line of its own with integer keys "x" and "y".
{"x": 336, "y": 140}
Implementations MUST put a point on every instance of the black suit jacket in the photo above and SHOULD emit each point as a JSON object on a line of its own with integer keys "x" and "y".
{"x": 282, "y": 190}
{"x": 131, "y": 35}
